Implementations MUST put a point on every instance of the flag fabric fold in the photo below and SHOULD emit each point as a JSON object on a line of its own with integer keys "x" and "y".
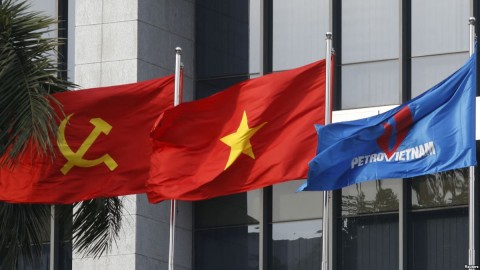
{"x": 431, "y": 133}
{"x": 103, "y": 146}
{"x": 251, "y": 135}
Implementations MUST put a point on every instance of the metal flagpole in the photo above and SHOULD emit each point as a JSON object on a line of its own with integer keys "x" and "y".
{"x": 173, "y": 203}
{"x": 328, "y": 120}
{"x": 54, "y": 239}
{"x": 178, "y": 65}
{"x": 471, "y": 208}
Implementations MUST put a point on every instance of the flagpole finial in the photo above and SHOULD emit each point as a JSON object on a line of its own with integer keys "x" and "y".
{"x": 471, "y": 20}
{"x": 178, "y": 50}
{"x": 329, "y": 35}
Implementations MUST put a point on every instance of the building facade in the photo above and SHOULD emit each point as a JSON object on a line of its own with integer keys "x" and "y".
{"x": 386, "y": 52}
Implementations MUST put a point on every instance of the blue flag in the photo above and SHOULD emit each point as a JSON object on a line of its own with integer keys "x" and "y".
{"x": 432, "y": 133}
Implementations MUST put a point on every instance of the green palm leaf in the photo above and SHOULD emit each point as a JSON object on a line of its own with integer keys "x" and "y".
{"x": 96, "y": 225}
{"x": 23, "y": 228}
{"x": 28, "y": 76}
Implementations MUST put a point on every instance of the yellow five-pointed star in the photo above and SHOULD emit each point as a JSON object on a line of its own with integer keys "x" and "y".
{"x": 239, "y": 141}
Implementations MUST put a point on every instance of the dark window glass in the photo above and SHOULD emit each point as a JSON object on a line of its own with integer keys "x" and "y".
{"x": 227, "y": 248}
{"x": 222, "y": 60}
{"x": 438, "y": 240}
{"x": 221, "y": 38}
{"x": 371, "y": 197}
{"x": 42, "y": 261}
{"x": 297, "y": 245}
{"x": 238, "y": 209}
{"x": 369, "y": 243}
{"x": 205, "y": 88}
{"x": 440, "y": 189}
{"x": 66, "y": 256}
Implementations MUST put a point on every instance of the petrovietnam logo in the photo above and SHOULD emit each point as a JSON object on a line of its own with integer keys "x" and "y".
{"x": 404, "y": 121}
{"x": 396, "y": 132}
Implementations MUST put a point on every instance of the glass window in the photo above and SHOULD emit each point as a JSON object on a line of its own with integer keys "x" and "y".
{"x": 439, "y": 26}
{"x": 291, "y": 205}
{"x": 42, "y": 261}
{"x": 371, "y": 197}
{"x": 370, "y": 30}
{"x": 370, "y": 51}
{"x": 438, "y": 240}
{"x": 360, "y": 229}
{"x": 297, "y": 245}
{"x": 255, "y": 36}
{"x": 370, "y": 84}
{"x": 441, "y": 189}
{"x": 369, "y": 243}
{"x": 222, "y": 38}
{"x": 228, "y": 248}
{"x": 48, "y": 7}
{"x": 299, "y": 29}
{"x": 237, "y": 209}
{"x": 205, "y": 88}
{"x": 431, "y": 70}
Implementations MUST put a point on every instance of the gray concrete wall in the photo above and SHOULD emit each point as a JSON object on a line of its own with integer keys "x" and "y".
{"x": 124, "y": 41}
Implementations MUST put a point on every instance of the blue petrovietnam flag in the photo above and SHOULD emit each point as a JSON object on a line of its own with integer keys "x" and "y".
{"x": 431, "y": 133}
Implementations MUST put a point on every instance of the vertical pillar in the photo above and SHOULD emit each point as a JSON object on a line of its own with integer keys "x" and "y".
{"x": 120, "y": 42}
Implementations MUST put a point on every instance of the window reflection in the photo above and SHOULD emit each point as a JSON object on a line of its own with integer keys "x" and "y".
{"x": 371, "y": 197}
{"x": 438, "y": 239}
{"x": 297, "y": 245}
{"x": 440, "y": 189}
{"x": 42, "y": 261}
{"x": 291, "y": 205}
{"x": 369, "y": 242}
{"x": 223, "y": 52}
{"x": 227, "y": 248}
{"x": 205, "y": 88}
{"x": 238, "y": 209}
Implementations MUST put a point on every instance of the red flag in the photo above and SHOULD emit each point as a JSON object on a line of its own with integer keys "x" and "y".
{"x": 253, "y": 134}
{"x": 103, "y": 146}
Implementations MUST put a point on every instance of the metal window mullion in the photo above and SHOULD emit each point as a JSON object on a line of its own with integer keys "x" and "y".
{"x": 266, "y": 52}
{"x": 406, "y": 95}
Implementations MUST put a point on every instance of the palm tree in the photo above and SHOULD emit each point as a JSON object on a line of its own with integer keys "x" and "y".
{"x": 28, "y": 75}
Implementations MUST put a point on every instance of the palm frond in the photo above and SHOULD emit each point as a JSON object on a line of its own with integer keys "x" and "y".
{"x": 28, "y": 76}
{"x": 23, "y": 228}
{"x": 96, "y": 225}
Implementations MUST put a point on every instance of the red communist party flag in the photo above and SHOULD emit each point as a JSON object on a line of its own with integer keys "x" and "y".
{"x": 253, "y": 134}
{"x": 103, "y": 146}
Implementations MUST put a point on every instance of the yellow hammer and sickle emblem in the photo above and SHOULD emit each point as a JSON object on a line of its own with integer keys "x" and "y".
{"x": 76, "y": 158}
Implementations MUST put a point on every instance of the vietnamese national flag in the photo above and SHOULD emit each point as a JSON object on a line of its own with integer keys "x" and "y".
{"x": 253, "y": 134}
{"x": 103, "y": 146}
